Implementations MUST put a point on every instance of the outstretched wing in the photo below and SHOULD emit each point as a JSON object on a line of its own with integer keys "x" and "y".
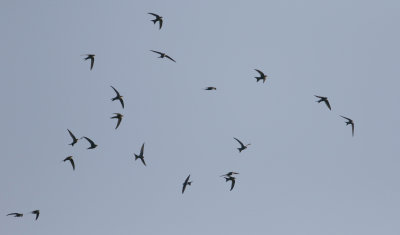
{"x": 153, "y": 14}
{"x": 346, "y": 118}
{"x": 74, "y": 139}
{"x": 91, "y": 62}
{"x": 352, "y": 128}
{"x": 160, "y": 21}
{"x": 142, "y": 159}
{"x": 160, "y": 53}
{"x": 170, "y": 58}
{"x": 327, "y": 103}
{"x": 233, "y": 183}
{"x": 185, "y": 183}
{"x": 118, "y": 95}
{"x": 122, "y": 102}
{"x": 90, "y": 141}
{"x": 242, "y": 145}
{"x": 142, "y": 150}
{"x": 261, "y": 73}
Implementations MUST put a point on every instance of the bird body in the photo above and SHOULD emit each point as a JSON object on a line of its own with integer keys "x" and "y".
{"x": 210, "y": 88}
{"x": 230, "y": 174}
{"x": 36, "y": 212}
{"x": 140, "y": 156}
{"x": 69, "y": 158}
{"x": 91, "y": 57}
{"x": 16, "y": 214}
{"x": 242, "y": 146}
{"x": 92, "y": 144}
{"x": 186, "y": 183}
{"x": 163, "y": 55}
{"x": 324, "y": 99}
{"x": 118, "y": 97}
{"x": 261, "y": 77}
{"x": 158, "y": 18}
{"x": 119, "y": 117}
{"x": 74, "y": 139}
{"x": 349, "y": 122}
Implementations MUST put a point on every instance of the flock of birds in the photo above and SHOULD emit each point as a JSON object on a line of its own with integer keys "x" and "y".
{"x": 228, "y": 176}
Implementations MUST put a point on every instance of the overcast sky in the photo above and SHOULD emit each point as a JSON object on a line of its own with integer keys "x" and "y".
{"x": 303, "y": 173}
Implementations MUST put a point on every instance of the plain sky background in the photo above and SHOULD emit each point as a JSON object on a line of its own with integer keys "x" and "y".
{"x": 303, "y": 173}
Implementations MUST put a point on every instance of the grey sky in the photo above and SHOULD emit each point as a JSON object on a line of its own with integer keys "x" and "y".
{"x": 303, "y": 172}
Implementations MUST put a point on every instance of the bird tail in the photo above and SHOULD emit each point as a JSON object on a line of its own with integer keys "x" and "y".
{"x": 258, "y": 79}
{"x": 240, "y": 150}
{"x": 154, "y": 21}
{"x": 190, "y": 183}
{"x": 136, "y": 157}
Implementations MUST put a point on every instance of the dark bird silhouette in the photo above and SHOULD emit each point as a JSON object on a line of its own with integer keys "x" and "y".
{"x": 118, "y": 97}
{"x": 242, "y": 146}
{"x": 69, "y": 158}
{"x": 74, "y": 139}
{"x": 119, "y": 117}
{"x": 210, "y": 88}
{"x": 324, "y": 99}
{"x": 229, "y": 174}
{"x": 16, "y": 214}
{"x": 36, "y": 212}
{"x": 91, "y": 57}
{"x": 141, "y": 155}
{"x": 232, "y": 179}
{"x": 162, "y": 55}
{"x": 92, "y": 144}
{"x": 187, "y": 182}
{"x": 158, "y": 18}
{"x": 349, "y": 122}
{"x": 261, "y": 77}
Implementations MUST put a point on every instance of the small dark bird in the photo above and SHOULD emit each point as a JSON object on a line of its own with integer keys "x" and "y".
{"x": 210, "y": 88}
{"x": 232, "y": 179}
{"x": 16, "y": 214}
{"x": 162, "y": 55}
{"x": 349, "y": 122}
{"x": 91, "y": 57}
{"x": 324, "y": 99}
{"x": 119, "y": 117}
{"x": 118, "y": 97}
{"x": 187, "y": 182}
{"x": 92, "y": 144}
{"x": 158, "y": 18}
{"x": 141, "y": 155}
{"x": 36, "y": 212}
{"x": 261, "y": 77}
{"x": 242, "y": 146}
{"x": 229, "y": 174}
{"x": 69, "y": 158}
{"x": 74, "y": 139}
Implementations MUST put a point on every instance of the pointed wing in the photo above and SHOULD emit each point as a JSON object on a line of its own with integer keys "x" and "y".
{"x": 352, "y": 128}
{"x": 327, "y": 103}
{"x": 319, "y": 96}
{"x": 261, "y": 73}
{"x": 346, "y": 118}
{"x": 170, "y": 58}
{"x": 142, "y": 159}
{"x": 37, "y": 215}
{"x": 119, "y": 121}
{"x": 122, "y": 102}
{"x": 72, "y": 163}
{"x": 242, "y": 145}
{"x": 184, "y": 187}
{"x": 153, "y": 14}
{"x": 160, "y": 53}
{"x": 90, "y": 141}
{"x": 160, "y": 21}
{"x": 91, "y": 62}
{"x": 185, "y": 183}
{"x": 74, "y": 139}
{"x": 142, "y": 150}
{"x": 15, "y": 214}
{"x": 233, "y": 183}
{"x": 115, "y": 91}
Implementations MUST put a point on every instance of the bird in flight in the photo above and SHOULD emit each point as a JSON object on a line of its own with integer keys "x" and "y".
{"x": 158, "y": 18}
{"x": 141, "y": 155}
{"x": 162, "y": 55}
{"x": 324, "y": 99}
{"x": 349, "y": 122}
{"x": 16, "y": 214}
{"x": 210, "y": 88}
{"x": 242, "y": 146}
{"x": 91, "y": 57}
{"x": 36, "y": 212}
{"x": 232, "y": 179}
{"x": 119, "y": 117}
{"x": 92, "y": 144}
{"x": 74, "y": 139}
{"x": 261, "y": 77}
{"x": 229, "y": 174}
{"x": 69, "y": 158}
{"x": 118, "y": 97}
{"x": 187, "y": 182}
